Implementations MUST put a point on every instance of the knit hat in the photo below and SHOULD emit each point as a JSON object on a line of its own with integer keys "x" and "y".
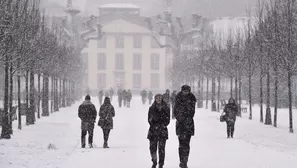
{"x": 186, "y": 88}
{"x": 87, "y": 97}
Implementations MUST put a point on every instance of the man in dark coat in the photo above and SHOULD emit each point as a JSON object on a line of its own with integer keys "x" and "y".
{"x": 172, "y": 100}
{"x": 159, "y": 119}
{"x": 184, "y": 111}
{"x": 230, "y": 111}
{"x": 87, "y": 113}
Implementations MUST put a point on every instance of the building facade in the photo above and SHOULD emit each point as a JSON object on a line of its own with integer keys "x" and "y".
{"x": 127, "y": 57}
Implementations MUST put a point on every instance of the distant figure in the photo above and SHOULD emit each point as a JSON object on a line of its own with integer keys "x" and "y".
{"x": 120, "y": 97}
{"x": 143, "y": 95}
{"x": 106, "y": 115}
{"x": 184, "y": 111}
{"x": 100, "y": 96}
{"x": 150, "y": 97}
{"x": 124, "y": 97}
{"x": 159, "y": 119}
{"x": 87, "y": 113}
{"x": 230, "y": 112}
{"x": 166, "y": 98}
{"x": 129, "y": 98}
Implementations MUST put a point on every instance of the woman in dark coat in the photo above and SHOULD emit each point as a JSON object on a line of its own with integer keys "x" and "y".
{"x": 230, "y": 112}
{"x": 106, "y": 114}
{"x": 159, "y": 119}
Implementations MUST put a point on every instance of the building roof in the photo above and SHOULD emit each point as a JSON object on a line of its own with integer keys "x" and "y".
{"x": 119, "y": 5}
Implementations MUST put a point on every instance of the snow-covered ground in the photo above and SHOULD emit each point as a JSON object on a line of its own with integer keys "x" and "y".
{"x": 254, "y": 146}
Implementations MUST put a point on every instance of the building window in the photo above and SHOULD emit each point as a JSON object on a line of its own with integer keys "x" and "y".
{"x": 137, "y": 41}
{"x": 119, "y": 61}
{"x": 137, "y": 59}
{"x": 119, "y": 41}
{"x": 154, "y": 42}
{"x": 155, "y": 81}
{"x": 101, "y": 77}
{"x": 137, "y": 81}
{"x": 102, "y": 42}
{"x": 101, "y": 61}
{"x": 155, "y": 61}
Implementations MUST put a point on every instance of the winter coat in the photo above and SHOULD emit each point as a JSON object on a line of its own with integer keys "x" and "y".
{"x": 87, "y": 113}
{"x": 120, "y": 94}
{"x": 129, "y": 96}
{"x": 143, "y": 94}
{"x": 150, "y": 95}
{"x": 107, "y": 112}
{"x": 158, "y": 120}
{"x": 166, "y": 98}
{"x": 231, "y": 110}
{"x": 184, "y": 111}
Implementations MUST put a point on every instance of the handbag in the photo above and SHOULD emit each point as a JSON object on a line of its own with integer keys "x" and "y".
{"x": 101, "y": 122}
{"x": 223, "y": 118}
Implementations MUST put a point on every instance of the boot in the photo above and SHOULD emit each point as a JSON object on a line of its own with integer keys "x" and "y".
{"x": 154, "y": 160}
{"x": 105, "y": 145}
{"x": 184, "y": 162}
{"x": 90, "y": 146}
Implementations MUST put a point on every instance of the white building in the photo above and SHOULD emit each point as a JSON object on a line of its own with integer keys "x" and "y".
{"x": 127, "y": 56}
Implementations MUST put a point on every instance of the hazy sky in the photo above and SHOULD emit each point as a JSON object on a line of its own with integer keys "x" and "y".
{"x": 211, "y": 8}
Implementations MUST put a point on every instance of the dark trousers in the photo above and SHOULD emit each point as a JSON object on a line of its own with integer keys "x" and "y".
{"x": 120, "y": 102}
{"x": 184, "y": 149}
{"x": 230, "y": 128}
{"x": 83, "y": 136}
{"x": 160, "y": 145}
{"x": 106, "y": 135}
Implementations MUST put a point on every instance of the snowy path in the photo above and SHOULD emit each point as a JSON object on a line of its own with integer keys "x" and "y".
{"x": 254, "y": 145}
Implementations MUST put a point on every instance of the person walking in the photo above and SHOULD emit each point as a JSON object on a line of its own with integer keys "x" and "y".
{"x": 158, "y": 119}
{"x": 184, "y": 111}
{"x": 87, "y": 113}
{"x": 150, "y": 97}
{"x": 229, "y": 113}
{"x": 106, "y": 115}
{"x": 172, "y": 101}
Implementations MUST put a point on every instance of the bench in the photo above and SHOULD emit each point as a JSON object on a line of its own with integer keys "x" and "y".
{"x": 244, "y": 109}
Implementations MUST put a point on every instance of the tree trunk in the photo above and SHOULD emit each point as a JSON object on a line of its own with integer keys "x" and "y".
{"x": 261, "y": 96}
{"x": 213, "y": 94}
{"x": 45, "y": 100}
{"x": 239, "y": 95}
{"x": 250, "y": 91}
{"x": 202, "y": 86}
{"x": 60, "y": 92}
{"x": 10, "y": 96}
{"x": 207, "y": 83}
{"x": 32, "y": 98}
{"x": 290, "y": 101}
{"x": 219, "y": 93}
{"x": 28, "y": 117}
{"x": 236, "y": 89}
{"x": 64, "y": 93}
{"x": 38, "y": 98}
{"x": 5, "y": 132}
{"x": 268, "y": 110}
{"x": 275, "y": 94}
{"x": 52, "y": 94}
{"x": 19, "y": 100}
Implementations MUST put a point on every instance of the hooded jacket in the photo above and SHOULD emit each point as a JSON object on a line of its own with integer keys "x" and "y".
{"x": 231, "y": 110}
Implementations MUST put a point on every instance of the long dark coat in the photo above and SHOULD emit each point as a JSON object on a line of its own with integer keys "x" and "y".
{"x": 231, "y": 110}
{"x": 184, "y": 111}
{"x": 87, "y": 113}
{"x": 159, "y": 119}
{"x": 107, "y": 113}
